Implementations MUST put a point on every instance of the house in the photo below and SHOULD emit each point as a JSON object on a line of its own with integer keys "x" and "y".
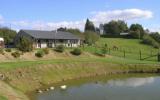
{"x": 1, "y": 42}
{"x": 49, "y": 39}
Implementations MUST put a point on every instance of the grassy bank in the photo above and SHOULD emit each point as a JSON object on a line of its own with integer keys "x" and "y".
{"x": 3, "y": 98}
{"x": 45, "y": 72}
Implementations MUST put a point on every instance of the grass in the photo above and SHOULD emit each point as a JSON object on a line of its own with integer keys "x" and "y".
{"x": 3, "y": 98}
{"x": 115, "y": 60}
{"x": 43, "y": 72}
{"x": 132, "y": 48}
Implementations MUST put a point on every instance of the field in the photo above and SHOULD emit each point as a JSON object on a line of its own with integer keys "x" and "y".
{"x": 126, "y": 48}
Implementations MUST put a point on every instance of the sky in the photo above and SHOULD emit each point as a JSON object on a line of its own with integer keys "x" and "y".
{"x": 51, "y": 14}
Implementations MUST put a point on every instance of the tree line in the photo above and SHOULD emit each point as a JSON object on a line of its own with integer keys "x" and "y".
{"x": 91, "y": 33}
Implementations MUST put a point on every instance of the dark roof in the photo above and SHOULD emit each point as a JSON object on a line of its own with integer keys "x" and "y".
{"x": 39, "y": 34}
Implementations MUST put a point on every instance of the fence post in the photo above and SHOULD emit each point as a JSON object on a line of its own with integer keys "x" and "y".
{"x": 158, "y": 56}
{"x": 140, "y": 55}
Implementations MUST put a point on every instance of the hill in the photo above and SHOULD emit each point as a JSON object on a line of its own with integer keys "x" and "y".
{"x": 130, "y": 48}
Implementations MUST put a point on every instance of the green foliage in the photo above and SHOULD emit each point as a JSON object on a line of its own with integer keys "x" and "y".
{"x": 3, "y": 98}
{"x": 156, "y": 36}
{"x": 76, "y": 52}
{"x": 7, "y": 34}
{"x": 46, "y": 50}
{"x": 91, "y": 37}
{"x": 60, "y": 48}
{"x": 150, "y": 41}
{"x": 115, "y": 27}
{"x": 89, "y": 26}
{"x": 76, "y": 32}
{"x": 8, "y": 50}
{"x": 1, "y": 51}
{"x": 39, "y": 53}
{"x": 137, "y": 31}
{"x": 16, "y": 54}
{"x": 104, "y": 50}
{"x": 25, "y": 45}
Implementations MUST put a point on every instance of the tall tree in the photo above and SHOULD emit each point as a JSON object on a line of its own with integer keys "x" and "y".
{"x": 115, "y": 27}
{"x": 89, "y": 26}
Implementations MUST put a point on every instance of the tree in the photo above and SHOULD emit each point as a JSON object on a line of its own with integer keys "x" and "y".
{"x": 156, "y": 36}
{"x": 89, "y": 26}
{"x": 91, "y": 37}
{"x": 115, "y": 27}
{"x": 62, "y": 29}
{"x": 138, "y": 31}
{"x": 7, "y": 34}
{"x": 25, "y": 45}
{"x": 76, "y": 32}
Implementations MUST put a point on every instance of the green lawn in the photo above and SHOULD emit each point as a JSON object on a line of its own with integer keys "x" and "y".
{"x": 2, "y": 98}
{"x": 131, "y": 47}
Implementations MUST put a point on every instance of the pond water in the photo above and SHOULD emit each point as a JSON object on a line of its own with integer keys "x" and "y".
{"x": 120, "y": 87}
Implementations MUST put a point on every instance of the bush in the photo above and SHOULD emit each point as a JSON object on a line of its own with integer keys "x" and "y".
{"x": 1, "y": 51}
{"x": 16, "y": 54}
{"x": 8, "y": 50}
{"x": 150, "y": 41}
{"x": 46, "y": 50}
{"x": 91, "y": 37}
{"x": 59, "y": 48}
{"x": 39, "y": 53}
{"x": 25, "y": 44}
{"x": 76, "y": 51}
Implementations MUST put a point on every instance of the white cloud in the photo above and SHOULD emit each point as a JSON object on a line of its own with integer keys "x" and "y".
{"x": 97, "y": 18}
{"x": 126, "y": 14}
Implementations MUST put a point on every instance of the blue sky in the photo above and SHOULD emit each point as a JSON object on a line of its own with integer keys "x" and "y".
{"x": 51, "y": 14}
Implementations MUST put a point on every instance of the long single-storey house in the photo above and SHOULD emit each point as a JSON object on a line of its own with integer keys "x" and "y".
{"x": 49, "y": 39}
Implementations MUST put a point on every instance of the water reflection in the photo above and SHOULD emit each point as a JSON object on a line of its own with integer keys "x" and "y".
{"x": 132, "y": 82}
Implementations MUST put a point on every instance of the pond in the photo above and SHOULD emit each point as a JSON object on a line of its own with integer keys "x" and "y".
{"x": 117, "y": 87}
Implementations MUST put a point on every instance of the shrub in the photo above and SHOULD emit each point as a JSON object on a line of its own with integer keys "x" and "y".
{"x": 91, "y": 37}
{"x": 59, "y": 48}
{"x": 8, "y": 50}
{"x": 103, "y": 50}
{"x": 76, "y": 51}
{"x": 16, "y": 54}
{"x": 150, "y": 41}
{"x": 46, "y": 50}
{"x": 2, "y": 51}
{"x": 25, "y": 45}
{"x": 39, "y": 53}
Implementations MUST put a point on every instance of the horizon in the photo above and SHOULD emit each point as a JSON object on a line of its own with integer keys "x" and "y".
{"x": 50, "y": 15}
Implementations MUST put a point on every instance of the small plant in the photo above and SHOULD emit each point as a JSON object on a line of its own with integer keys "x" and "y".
{"x": 2, "y": 51}
{"x": 46, "y": 50}
{"x": 39, "y": 53}
{"x": 76, "y": 51}
{"x": 8, "y": 50}
{"x": 103, "y": 51}
{"x": 59, "y": 48}
{"x": 16, "y": 54}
